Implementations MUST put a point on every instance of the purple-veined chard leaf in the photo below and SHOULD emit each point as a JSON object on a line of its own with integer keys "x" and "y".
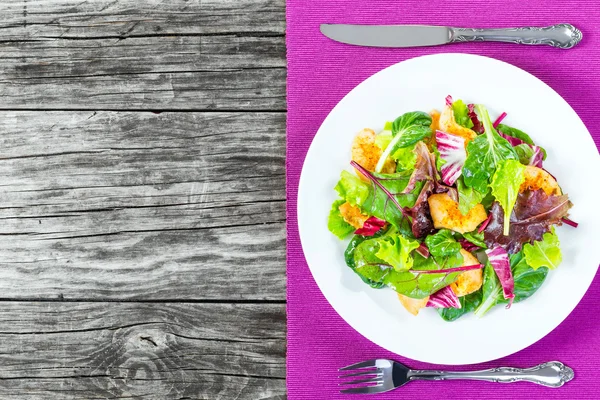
{"x": 570, "y": 222}
{"x": 427, "y": 275}
{"x": 499, "y": 119}
{"x": 385, "y": 199}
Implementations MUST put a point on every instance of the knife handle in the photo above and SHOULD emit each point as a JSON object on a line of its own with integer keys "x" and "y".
{"x": 563, "y": 36}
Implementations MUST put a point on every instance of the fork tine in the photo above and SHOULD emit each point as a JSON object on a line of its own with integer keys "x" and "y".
{"x": 368, "y": 380}
{"x": 364, "y": 364}
{"x": 377, "y": 371}
{"x": 364, "y": 390}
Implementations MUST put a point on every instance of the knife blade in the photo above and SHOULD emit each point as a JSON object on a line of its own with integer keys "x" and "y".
{"x": 387, "y": 35}
{"x": 563, "y": 36}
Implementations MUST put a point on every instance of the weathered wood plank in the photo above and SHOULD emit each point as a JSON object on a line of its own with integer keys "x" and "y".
{"x": 166, "y": 55}
{"x": 141, "y": 350}
{"x": 142, "y": 206}
{"x": 192, "y": 73}
{"x": 32, "y": 19}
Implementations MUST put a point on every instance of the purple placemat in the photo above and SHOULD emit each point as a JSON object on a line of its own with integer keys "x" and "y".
{"x": 320, "y": 73}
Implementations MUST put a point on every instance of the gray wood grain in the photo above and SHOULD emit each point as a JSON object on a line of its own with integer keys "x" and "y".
{"x": 177, "y": 55}
{"x": 177, "y": 218}
{"x": 141, "y": 350}
{"x": 142, "y": 206}
{"x": 35, "y": 19}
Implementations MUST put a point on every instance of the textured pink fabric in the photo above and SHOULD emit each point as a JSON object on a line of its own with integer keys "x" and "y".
{"x": 320, "y": 73}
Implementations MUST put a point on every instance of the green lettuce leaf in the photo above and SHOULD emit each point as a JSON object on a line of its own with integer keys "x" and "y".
{"x": 505, "y": 187}
{"x": 407, "y": 129}
{"x": 395, "y": 250}
{"x": 383, "y": 138}
{"x": 544, "y": 253}
{"x": 467, "y": 197}
{"x": 442, "y": 243}
{"x": 405, "y": 158}
{"x": 484, "y": 153}
{"x": 461, "y": 114}
{"x": 352, "y": 189}
{"x": 336, "y": 224}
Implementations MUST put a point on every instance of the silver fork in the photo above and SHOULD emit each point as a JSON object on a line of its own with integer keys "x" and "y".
{"x": 381, "y": 375}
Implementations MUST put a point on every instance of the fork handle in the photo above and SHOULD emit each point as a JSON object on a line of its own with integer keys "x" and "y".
{"x": 563, "y": 36}
{"x": 552, "y": 374}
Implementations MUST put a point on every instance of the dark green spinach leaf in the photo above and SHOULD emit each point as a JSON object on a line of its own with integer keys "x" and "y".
{"x": 476, "y": 238}
{"x": 349, "y": 257}
{"x": 468, "y": 303}
{"x": 442, "y": 243}
{"x": 407, "y": 130}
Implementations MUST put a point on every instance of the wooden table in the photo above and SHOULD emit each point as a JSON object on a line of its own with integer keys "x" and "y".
{"x": 142, "y": 200}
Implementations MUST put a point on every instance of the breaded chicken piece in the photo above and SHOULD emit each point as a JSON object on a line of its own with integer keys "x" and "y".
{"x": 468, "y": 281}
{"x": 366, "y": 153}
{"x": 352, "y": 215}
{"x": 435, "y": 125}
{"x": 536, "y": 178}
{"x": 412, "y": 305}
{"x": 445, "y": 214}
{"x": 448, "y": 124}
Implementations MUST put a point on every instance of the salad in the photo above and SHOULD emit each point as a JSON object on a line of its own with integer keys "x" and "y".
{"x": 450, "y": 210}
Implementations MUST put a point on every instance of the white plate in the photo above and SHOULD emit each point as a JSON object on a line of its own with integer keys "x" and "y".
{"x": 422, "y": 84}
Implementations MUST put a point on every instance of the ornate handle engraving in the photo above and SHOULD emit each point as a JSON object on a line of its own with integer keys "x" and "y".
{"x": 552, "y": 374}
{"x": 563, "y": 36}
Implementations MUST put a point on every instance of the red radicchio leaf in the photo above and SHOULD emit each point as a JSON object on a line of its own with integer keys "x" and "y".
{"x": 477, "y": 125}
{"x": 371, "y": 227}
{"x": 533, "y": 215}
{"x": 498, "y": 258}
{"x": 499, "y": 119}
{"x": 444, "y": 298}
{"x": 449, "y": 100}
{"x": 423, "y": 250}
{"x": 468, "y": 246}
{"x": 452, "y": 150}
{"x": 537, "y": 157}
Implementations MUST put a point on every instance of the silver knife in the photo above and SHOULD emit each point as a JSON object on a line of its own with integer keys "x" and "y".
{"x": 563, "y": 36}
